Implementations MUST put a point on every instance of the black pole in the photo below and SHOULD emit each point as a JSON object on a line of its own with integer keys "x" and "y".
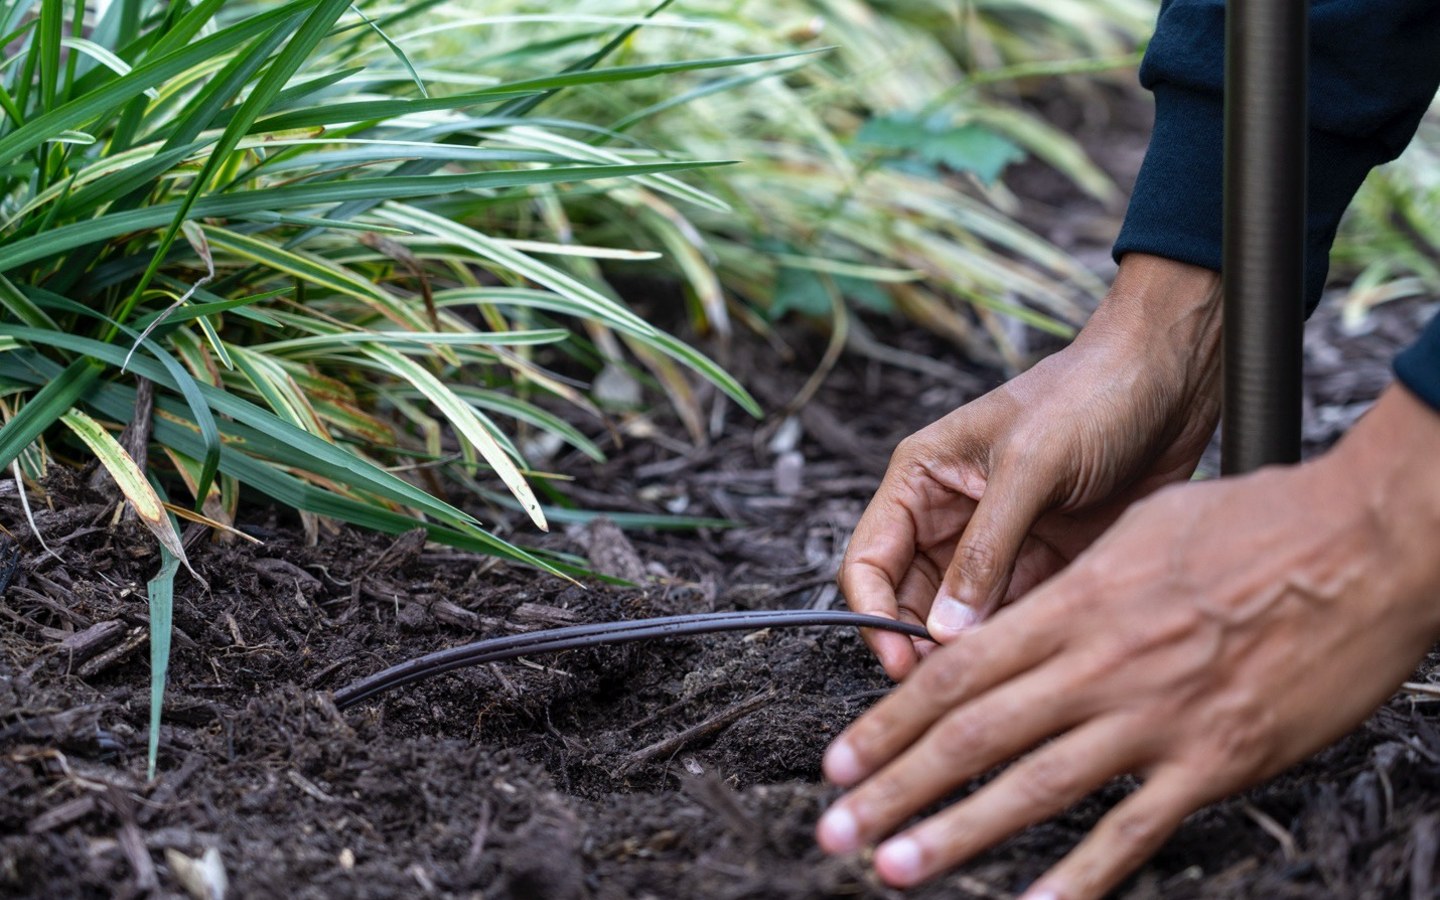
{"x": 1266, "y": 50}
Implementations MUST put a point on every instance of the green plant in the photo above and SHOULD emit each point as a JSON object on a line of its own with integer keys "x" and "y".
{"x": 309, "y": 256}
{"x": 1389, "y": 241}
{"x": 873, "y": 169}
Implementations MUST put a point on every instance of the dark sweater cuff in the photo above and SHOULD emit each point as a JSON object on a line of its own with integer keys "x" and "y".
{"x": 1177, "y": 207}
{"x": 1418, "y": 367}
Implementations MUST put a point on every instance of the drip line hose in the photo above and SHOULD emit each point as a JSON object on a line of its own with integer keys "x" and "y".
{"x": 1266, "y": 47}
{"x": 553, "y": 640}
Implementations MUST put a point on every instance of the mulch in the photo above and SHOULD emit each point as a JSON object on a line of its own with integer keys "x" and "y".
{"x": 674, "y": 769}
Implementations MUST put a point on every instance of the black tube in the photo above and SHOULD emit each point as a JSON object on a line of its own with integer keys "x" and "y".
{"x": 575, "y": 636}
{"x": 1266, "y": 50}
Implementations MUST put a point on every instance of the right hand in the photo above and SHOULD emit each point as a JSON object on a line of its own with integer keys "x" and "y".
{"x": 988, "y": 502}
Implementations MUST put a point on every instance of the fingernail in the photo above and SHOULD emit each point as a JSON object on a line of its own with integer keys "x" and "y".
{"x": 1040, "y": 894}
{"x": 839, "y": 832}
{"x": 841, "y": 764}
{"x": 898, "y": 861}
{"x": 949, "y": 617}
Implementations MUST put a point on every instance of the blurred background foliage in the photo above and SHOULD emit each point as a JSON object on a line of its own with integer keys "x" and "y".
{"x": 1389, "y": 242}
{"x": 874, "y": 170}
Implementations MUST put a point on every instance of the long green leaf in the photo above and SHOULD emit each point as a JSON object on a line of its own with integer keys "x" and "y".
{"x": 49, "y": 403}
{"x": 322, "y": 343}
{"x": 129, "y": 478}
{"x": 184, "y": 382}
{"x": 285, "y": 443}
{"x": 68, "y": 237}
{"x": 314, "y": 28}
{"x": 465, "y": 421}
{"x": 116, "y": 401}
{"x": 160, "y": 594}
{"x": 152, "y": 73}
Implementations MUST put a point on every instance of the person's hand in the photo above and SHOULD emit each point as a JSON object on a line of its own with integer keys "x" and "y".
{"x": 999, "y": 495}
{"x": 1218, "y": 633}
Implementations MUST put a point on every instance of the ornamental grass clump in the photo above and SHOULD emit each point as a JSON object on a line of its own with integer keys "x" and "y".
{"x": 294, "y": 264}
{"x": 874, "y": 174}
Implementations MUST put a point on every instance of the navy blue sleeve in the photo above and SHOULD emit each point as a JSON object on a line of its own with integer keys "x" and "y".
{"x": 1418, "y": 367}
{"x": 1374, "y": 68}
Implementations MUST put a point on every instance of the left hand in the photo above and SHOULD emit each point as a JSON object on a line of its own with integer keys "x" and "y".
{"x": 1218, "y": 633}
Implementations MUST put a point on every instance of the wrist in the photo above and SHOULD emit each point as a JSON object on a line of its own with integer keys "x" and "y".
{"x": 1166, "y": 315}
{"x": 1154, "y": 298}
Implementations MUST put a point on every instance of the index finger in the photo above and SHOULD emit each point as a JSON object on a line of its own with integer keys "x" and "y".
{"x": 867, "y": 590}
{"x": 881, "y": 551}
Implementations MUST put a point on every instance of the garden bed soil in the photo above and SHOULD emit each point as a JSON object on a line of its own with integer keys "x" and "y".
{"x": 676, "y": 769}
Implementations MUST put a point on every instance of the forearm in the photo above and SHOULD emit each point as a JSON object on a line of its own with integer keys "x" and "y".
{"x": 1389, "y": 466}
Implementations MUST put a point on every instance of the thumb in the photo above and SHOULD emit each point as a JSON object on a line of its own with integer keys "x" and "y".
{"x": 984, "y": 559}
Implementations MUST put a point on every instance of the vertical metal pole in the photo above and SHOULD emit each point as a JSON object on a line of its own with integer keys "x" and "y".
{"x": 1266, "y": 51}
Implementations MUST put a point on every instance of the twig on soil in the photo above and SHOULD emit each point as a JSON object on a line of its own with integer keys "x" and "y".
{"x": 102, "y": 661}
{"x": 719, "y": 722}
{"x": 579, "y": 636}
{"x": 1421, "y": 688}
{"x": 132, "y": 842}
{"x": 79, "y": 647}
{"x": 478, "y": 838}
{"x": 1284, "y": 838}
{"x": 62, "y": 815}
{"x": 309, "y": 787}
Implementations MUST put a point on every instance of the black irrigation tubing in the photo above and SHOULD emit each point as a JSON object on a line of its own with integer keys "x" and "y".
{"x": 553, "y": 640}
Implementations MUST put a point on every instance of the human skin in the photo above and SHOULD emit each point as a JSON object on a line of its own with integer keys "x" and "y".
{"x": 1215, "y": 634}
{"x": 991, "y": 500}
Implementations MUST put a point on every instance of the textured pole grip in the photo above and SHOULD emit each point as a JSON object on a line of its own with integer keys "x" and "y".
{"x": 1266, "y": 52}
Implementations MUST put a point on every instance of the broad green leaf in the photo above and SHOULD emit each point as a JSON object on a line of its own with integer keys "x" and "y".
{"x": 969, "y": 147}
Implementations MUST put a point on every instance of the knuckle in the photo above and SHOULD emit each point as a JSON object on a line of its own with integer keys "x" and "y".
{"x": 1047, "y": 782}
{"x": 907, "y": 453}
{"x": 1242, "y": 740}
{"x": 939, "y": 681}
{"x": 978, "y": 558}
{"x": 961, "y": 734}
{"x": 1137, "y": 828}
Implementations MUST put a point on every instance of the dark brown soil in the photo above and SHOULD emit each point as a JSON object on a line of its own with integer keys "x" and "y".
{"x": 668, "y": 770}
